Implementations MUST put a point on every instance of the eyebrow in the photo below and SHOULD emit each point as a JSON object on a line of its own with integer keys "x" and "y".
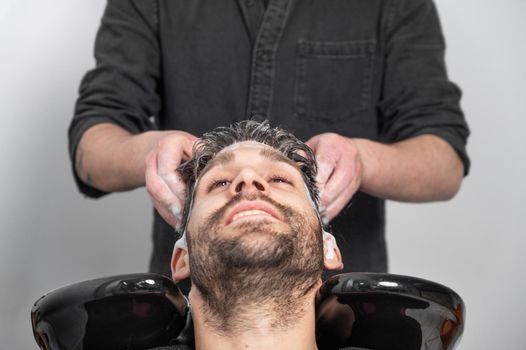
{"x": 222, "y": 158}
{"x": 226, "y": 157}
{"x": 277, "y": 156}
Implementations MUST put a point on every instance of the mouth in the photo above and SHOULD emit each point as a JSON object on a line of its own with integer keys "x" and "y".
{"x": 252, "y": 210}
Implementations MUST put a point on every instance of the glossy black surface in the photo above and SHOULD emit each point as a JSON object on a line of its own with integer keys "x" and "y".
{"x": 387, "y": 312}
{"x": 137, "y": 311}
{"x": 143, "y": 311}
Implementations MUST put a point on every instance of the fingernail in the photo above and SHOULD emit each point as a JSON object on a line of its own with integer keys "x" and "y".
{"x": 176, "y": 210}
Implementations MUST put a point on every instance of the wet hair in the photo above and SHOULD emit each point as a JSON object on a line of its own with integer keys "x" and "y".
{"x": 211, "y": 143}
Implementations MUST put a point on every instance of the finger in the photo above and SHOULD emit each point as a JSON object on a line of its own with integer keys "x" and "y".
{"x": 336, "y": 207}
{"x": 312, "y": 142}
{"x": 166, "y": 214}
{"x": 175, "y": 184}
{"x": 325, "y": 171}
{"x": 171, "y": 213}
{"x": 169, "y": 158}
{"x": 326, "y": 159}
{"x": 161, "y": 194}
{"x": 173, "y": 150}
{"x": 343, "y": 174}
{"x": 188, "y": 144}
{"x": 342, "y": 200}
{"x": 191, "y": 138}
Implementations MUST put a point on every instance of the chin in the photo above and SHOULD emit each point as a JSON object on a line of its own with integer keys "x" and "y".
{"x": 254, "y": 229}
{"x": 258, "y": 244}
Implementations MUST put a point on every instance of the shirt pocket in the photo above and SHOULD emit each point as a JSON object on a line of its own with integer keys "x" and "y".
{"x": 333, "y": 79}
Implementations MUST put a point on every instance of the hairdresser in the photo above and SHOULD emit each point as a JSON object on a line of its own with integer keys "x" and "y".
{"x": 364, "y": 82}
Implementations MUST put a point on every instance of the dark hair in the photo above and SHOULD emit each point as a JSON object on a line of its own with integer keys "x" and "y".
{"x": 211, "y": 143}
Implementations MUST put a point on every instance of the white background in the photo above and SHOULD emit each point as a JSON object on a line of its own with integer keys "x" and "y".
{"x": 50, "y": 235}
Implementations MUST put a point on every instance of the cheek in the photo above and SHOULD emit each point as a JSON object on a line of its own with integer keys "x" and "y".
{"x": 306, "y": 207}
{"x": 201, "y": 210}
{"x": 196, "y": 217}
{"x": 297, "y": 202}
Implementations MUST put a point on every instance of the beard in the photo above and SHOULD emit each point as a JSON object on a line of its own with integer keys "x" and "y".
{"x": 258, "y": 271}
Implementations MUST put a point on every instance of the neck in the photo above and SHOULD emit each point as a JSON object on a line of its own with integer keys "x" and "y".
{"x": 256, "y": 327}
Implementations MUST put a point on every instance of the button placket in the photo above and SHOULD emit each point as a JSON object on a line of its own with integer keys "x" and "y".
{"x": 263, "y": 59}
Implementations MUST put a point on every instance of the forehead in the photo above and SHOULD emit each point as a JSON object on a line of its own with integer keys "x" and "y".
{"x": 247, "y": 151}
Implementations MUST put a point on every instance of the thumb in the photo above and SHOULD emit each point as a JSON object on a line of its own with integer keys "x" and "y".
{"x": 325, "y": 170}
{"x": 313, "y": 142}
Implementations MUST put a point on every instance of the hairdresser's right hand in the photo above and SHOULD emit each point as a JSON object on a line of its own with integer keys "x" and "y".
{"x": 165, "y": 187}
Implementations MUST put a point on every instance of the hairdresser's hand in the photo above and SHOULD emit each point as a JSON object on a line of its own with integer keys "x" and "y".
{"x": 164, "y": 185}
{"x": 339, "y": 171}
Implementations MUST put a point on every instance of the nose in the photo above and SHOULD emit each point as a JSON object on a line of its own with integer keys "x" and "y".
{"x": 249, "y": 181}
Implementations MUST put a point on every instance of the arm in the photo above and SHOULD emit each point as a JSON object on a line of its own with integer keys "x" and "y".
{"x": 118, "y": 98}
{"x": 109, "y": 158}
{"x": 420, "y": 152}
{"x": 422, "y": 127}
{"x": 99, "y": 159}
{"x": 114, "y": 145}
{"x": 420, "y": 169}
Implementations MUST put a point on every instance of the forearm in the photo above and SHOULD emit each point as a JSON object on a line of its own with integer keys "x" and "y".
{"x": 420, "y": 169}
{"x": 110, "y": 158}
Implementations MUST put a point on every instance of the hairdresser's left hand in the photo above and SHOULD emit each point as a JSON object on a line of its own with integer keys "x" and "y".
{"x": 339, "y": 171}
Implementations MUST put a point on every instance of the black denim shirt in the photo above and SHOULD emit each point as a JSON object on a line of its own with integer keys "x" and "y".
{"x": 361, "y": 68}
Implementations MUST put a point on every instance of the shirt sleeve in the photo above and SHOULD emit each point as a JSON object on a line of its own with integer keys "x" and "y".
{"x": 123, "y": 87}
{"x": 417, "y": 96}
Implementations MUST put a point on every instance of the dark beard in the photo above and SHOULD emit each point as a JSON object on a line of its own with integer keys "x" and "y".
{"x": 257, "y": 269}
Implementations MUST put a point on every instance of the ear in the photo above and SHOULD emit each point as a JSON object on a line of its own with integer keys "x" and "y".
{"x": 332, "y": 257}
{"x": 180, "y": 265}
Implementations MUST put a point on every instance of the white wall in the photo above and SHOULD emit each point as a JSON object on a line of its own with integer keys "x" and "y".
{"x": 475, "y": 244}
{"x": 51, "y": 236}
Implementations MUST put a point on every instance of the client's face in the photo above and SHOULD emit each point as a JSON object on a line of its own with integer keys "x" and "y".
{"x": 252, "y": 226}
{"x": 247, "y": 189}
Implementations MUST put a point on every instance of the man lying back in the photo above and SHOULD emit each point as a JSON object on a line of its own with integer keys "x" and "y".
{"x": 253, "y": 243}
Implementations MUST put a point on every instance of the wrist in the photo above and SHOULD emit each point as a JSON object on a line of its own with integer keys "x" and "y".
{"x": 369, "y": 154}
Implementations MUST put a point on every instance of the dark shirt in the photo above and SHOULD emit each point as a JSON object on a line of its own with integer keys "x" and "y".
{"x": 362, "y": 68}
{"x": 186, "y": 347}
